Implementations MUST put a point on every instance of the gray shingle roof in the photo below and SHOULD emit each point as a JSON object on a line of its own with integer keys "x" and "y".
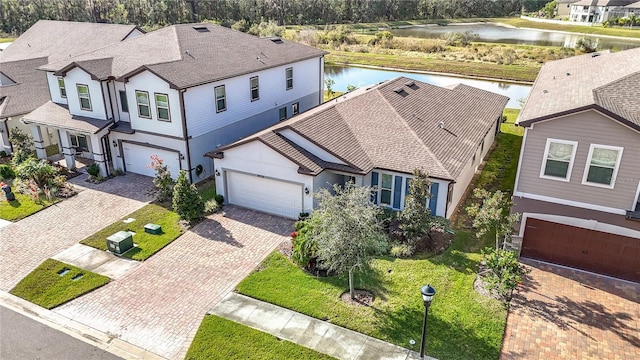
{"x": 603, "y": 2}
{"x": 381, "y": 127}
{"x": 29, "y": 91}
{"x": 58, "y": 116}
{"x": 185, "y": 57}
{"x": 621, "y": 97}
{"x": 568, "y": 84}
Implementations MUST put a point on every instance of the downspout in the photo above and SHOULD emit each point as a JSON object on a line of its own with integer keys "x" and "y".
{"x": 6, "y": 131}
{"x": 320, "y": 75}
{"x": 185, "y": 134}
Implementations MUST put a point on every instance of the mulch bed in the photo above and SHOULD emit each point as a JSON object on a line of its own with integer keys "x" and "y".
{"x": 362, "y": 297}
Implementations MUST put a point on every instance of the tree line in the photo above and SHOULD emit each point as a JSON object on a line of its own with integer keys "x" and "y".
{"x": 16, "y": 16}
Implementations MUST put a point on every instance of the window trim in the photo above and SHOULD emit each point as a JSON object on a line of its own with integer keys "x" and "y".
{"x": 62, "y": 88}
{"x": 155, "y": 98}
{"x": 77, "y": 136}
{"x": 223, "y": 98}
{"x": 80, "y": 98}
{"x": 546, "y": 154}
{"x": 615, "y": 169}
{"x": 148, "y": 105}
{"x": 123, "y": 101}
{"x": 280, "y": 118}
{"x": 390, "y": 189}
{"x": 256, "y": 89}
{"x": 288, "y": 79}
{"x": 295, "y": 108}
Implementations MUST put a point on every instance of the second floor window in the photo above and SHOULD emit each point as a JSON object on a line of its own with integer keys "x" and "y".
{"x": 289, "y": 75}
{"x": 558, "y": 159}
{"x": 63, "y": 90}
{"x": 255, "y": 92}
{"x": 83, "y": 96}
{"x": 124, "y": 104}
{"x": 162, "y": 106}
{"x": 602, "y": 165}
{"x": 221, "y": 98}
{"x": 142, "y": 98}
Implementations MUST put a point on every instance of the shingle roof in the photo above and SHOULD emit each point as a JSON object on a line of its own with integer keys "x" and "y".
{"x": 393, "y": 126}
{"x": 603, "y": 2}
{"x": 185, "y": 56}
{"x": 58, "y": 116}
{"x": 635, "y": 5}
{"x": 29, "y": 91}
{"x": 621, "y": 97}
{"x": 568, "y": 84}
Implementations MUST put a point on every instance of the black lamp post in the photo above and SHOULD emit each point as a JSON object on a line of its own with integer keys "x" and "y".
{"x": 427, "y": 295}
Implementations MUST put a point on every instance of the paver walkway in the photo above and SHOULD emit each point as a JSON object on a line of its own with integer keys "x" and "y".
{"x": 316, "y": 334}
{"x": 561, "y": 313}
{"x": 28, "y": 242}
{"x": 159, "y": 305}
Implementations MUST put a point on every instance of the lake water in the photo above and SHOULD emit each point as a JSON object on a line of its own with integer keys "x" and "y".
{"x": 359, "y": 77}
{"x": 501, "y": 34}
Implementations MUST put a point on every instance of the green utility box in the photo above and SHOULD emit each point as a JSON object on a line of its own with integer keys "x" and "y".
{"x": 153, "y": 229}
{"x": 120, "y": 242}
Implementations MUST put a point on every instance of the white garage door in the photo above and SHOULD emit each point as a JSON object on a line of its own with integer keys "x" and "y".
{"x": 267, "y": 195}
{"x": 137, "y": 157}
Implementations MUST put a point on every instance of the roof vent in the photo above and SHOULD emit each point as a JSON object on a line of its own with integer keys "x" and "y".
{"x": 277, "y": 40}
{"x": 398, "y": 90}
{"x": 568, "y": 73}
{"x": 595, "y": 54}
{"x": 201, "y": 28}
{"x": 545, "y": 91}
{"x": 441, "y": 124}
{"x": 410, "y": 83}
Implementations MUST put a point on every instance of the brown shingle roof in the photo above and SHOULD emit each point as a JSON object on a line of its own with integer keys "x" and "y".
{"x": 58, "y": 116}
{"x": 29, "y": 91}
{"x": 568, "y": 84}
{"x": 185, "y": 57}
{"x": 621, "y": 97}
{"x": 384, "y": 128}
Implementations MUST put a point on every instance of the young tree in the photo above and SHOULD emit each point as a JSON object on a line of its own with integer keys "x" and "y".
{"x": 347, "y": 230}
{"x": 22, "y": 143}
{"x": 187, "y": 202}
{"x": 163, "y": 181}
{"x": 329, "y": 82}
{"x": 416, "y": 217}
{"x": 492, "y": 213}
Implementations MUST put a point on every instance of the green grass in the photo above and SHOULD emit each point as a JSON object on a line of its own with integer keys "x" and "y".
{"x": 52, "y": 150}
{"x": 207, "y": 190}
{"x": 327, "y": 97}
{"x": 3, "y": 40}
{"x": 219, "y": 338}
{"x": 595, "y": 30}
{"x": 44, "y": 287}
{"x": 467, "y": 68}
{"x": 22, "y": 207}
{"x": 147, "y": 244}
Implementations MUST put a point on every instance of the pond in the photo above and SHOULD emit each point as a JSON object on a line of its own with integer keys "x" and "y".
{"x": 359, "y": 77}
{"x": 500, "y": 34}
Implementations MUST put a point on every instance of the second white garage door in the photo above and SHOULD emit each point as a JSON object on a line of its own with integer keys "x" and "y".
{"x": 137, "y": 157}
{"x": 263, "y": 194}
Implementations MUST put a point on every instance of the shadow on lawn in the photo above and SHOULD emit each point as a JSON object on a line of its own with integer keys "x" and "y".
{"x": 15, "y": 203}
{"x": 373, "y": 280}
{"x": 457, "y": 260}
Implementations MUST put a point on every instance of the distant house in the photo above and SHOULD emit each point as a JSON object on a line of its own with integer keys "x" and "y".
{"x": 627, "y": 12}
{"x": 596, "y": 11}
{"x": 173, "y": 92}
{"x": 374, "y": 136}
{"x": 563, "y": 7}
{"x": 578, "y": 180}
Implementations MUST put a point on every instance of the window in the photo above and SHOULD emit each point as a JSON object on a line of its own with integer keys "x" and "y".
{"x": 283, "y": 113}
{"x": 602, "y": 165}
{"x": 295, "y": 109}
{"x": 255, "y": 92}
{"x": 142, "y": 99}
{"x": 63, "y": 90}
{"x": 162, "y": 107}
{"x": 221, "y": 98}
{"x": 558, "y": 159}
{"x": 289, "y": 76}
{"x": 386, "y": 187}
{"x": 123, "y": 101}
{"x": 83, "y": 96}
{"x": 79, "y": 142}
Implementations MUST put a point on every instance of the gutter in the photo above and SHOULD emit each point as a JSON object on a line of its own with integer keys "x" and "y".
{"x": 185, "y": 134}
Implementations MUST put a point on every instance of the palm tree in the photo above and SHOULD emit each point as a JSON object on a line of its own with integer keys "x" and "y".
{"x": 632, "y": 20}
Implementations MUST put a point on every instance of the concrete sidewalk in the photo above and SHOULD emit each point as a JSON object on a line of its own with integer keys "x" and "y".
{"x": 98, "y": 261}
{"x": 315, "y": 334}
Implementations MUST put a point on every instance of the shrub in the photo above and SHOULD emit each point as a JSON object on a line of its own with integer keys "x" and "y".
{"x": 6, "y": 172}
{"x": 505, "y": 272}
{"x": 212, "y": 206}
{"x": 3, "y": 153}
{"x": 219, "y": 199}
{"x": 20, "y": 139}
{"x": 305, "y": 246}
{"x": 587, "y": 45}
{"x": 459, "y": 39}
{"x": 241, "y": 25}
{"x": 93, "y": 170}
{"x": 401, "y": 250}
{"x": 162, "y": 181}
{"x": 187, "y": 202}
{"x": 38, "y": 171}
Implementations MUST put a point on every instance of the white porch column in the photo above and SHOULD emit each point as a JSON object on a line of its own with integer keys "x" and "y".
{"x": 98, "y": 155}
{"x": 4, "y": 137}
{"x": 67, "y": 149}
{"x": 41, "y": 152}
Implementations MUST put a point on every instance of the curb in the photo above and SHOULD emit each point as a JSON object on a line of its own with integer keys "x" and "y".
{"x": 76, "y": 330}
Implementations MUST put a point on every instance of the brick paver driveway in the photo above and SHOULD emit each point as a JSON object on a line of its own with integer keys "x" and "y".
{"x": 560, "y": 313}
{"x": 160, "y": 304}
{"x": 28, "y": 242}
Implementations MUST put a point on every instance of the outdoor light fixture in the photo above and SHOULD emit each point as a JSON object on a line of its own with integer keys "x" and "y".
{"x": 306, "y": 190}
{"x": 181, "y": 156}
{"x": 217, "y": 172}
{"x": 115, "y": 143}
{"x": 428, "y": 293}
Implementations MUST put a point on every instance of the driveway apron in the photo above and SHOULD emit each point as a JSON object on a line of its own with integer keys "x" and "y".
{"x": 28, "y": 242}
{"x": 159, "y": 305}
{"x": 560, "y": 313}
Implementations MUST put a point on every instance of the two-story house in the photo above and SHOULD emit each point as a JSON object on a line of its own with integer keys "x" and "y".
{"x": 596, "y": 11}
{"x": 578, "y": 178}
{"x": 23, "y": 88}
{"x": 175, "y": 93}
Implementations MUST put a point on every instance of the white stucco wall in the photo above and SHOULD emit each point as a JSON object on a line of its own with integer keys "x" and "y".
{"x": 124, "y": 116}
{"x": 54, "y": 89}
{"x": 78, "y": 76}
{"x": 144, "y": 139}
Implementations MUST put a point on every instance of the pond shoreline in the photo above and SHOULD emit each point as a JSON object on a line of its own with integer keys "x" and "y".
{"x": 566, "y": 32}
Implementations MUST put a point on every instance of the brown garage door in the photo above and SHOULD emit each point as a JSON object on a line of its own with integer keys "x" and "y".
{"x": 591, "y": 250}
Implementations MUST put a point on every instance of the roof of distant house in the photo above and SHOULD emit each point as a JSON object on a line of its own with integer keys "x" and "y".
{"x": 566, "y": 1}
{"x": 188, "y": 55}
{"x": 587, "y": 81}
{"x": 399, "y": 125}
{"x": 603, "y": 2}
{"x": 29, "y": 89}
{"x": 635, "y": 5}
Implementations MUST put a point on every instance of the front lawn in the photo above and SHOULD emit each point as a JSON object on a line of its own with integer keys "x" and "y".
{"x": 147, "y": 244}
{"x": 22, "y": 206}
{"x": 219, "y": 338}
{"x": 49, "y": 287}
